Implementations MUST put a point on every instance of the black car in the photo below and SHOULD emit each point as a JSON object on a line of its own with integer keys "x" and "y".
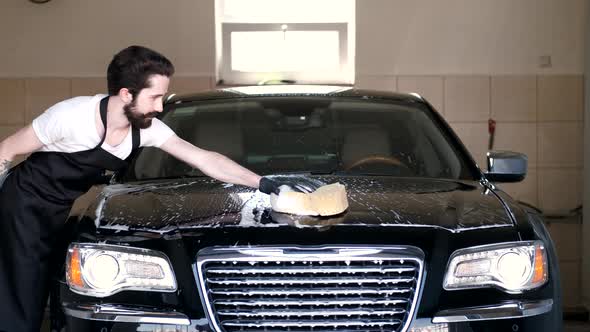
{"x": 428, "y": 242}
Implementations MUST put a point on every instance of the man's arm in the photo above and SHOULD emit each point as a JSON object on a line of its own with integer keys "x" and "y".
{"x": 22, "y": 142}
{"x": 211, "y": 163}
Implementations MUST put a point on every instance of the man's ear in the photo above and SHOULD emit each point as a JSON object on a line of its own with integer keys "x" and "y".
{"x": 125, "y": 95}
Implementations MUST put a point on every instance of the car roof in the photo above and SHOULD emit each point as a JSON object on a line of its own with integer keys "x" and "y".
{"x": 290, "y": 91}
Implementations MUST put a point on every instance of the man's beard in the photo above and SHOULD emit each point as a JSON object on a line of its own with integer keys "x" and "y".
{"x": 138, "y": 120}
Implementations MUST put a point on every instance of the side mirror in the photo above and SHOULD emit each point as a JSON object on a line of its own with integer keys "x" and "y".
{"x": 506, "y": 166}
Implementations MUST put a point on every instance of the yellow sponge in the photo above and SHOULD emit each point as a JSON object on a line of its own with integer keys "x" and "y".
{"x": 325, "y": 201}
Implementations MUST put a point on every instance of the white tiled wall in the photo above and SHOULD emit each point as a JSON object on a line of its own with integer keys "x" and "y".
{"x": 514, "y": 98}
{"x": 41, "y": 93}
{"x": 13, "y": 102}
{"x": 560, "y": 98}
{"x": 567, "y": 238}
{"x": 560, "y": 144}
{"x": 88, "y": 86}
{"x": 467, "y": 98}
{"x": 560, "y": 189}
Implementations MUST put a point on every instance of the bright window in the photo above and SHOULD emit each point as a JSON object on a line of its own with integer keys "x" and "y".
{"x": 275, "y": 51}
{"x": 271, "y": 40}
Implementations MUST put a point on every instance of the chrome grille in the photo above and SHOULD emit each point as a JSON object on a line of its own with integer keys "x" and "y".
{"x": 315, "y": 289}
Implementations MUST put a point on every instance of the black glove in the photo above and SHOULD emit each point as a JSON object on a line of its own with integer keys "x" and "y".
{"x": 269, "y": 186}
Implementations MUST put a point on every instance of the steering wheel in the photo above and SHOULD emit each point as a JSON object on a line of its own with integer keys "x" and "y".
{"x": 387, "y": 160}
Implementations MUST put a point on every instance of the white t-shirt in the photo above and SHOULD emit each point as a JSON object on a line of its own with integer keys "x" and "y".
{"x": 70, "y": 126}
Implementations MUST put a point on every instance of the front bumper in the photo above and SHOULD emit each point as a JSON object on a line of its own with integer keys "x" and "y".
{"x": 124, "y": 314}
{"x": 507, "y": 310}
{"x": 127, "y": 318}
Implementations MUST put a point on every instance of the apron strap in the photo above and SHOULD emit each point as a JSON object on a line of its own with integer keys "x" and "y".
{"x": 135, "y": 138}
{"x": 103, "y": 116}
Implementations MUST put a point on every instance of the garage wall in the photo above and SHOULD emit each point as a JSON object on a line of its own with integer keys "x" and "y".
{"x": 394, "y": 37}
{"x": 430, "y": 37}
{"x": 66, "y": 38}
{"x": 472, "y": 59}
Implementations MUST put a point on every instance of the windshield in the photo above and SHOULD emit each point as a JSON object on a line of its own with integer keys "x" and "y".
{"x": 323, "y": 135}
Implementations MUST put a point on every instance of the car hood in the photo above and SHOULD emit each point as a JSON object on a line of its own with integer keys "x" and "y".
{"x": 192, "y": 203}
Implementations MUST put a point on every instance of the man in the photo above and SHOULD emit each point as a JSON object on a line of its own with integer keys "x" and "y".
{"x": 72, "y": 144}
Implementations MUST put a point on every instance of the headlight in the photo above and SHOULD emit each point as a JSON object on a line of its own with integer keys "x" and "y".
{"x": 102, "y": 270}
{"x": 513, "y": 267}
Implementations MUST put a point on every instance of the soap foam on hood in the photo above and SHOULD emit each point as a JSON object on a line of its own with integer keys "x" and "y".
{"x": 374, "y": 201}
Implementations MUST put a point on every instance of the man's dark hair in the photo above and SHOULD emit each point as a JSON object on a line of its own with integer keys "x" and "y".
{"x": 132, "y": 67}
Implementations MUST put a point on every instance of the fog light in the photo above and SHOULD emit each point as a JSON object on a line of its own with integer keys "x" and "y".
{"x": 425, "y": 325}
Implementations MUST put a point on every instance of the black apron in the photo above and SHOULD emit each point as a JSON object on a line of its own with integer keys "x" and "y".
{"x": 35, "y": 201}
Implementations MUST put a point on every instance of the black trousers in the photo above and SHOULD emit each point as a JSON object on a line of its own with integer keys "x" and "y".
{"x": 29, "y": 227}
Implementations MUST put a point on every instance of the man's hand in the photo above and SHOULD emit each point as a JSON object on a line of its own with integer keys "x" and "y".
{"x": 270, "y": 186}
